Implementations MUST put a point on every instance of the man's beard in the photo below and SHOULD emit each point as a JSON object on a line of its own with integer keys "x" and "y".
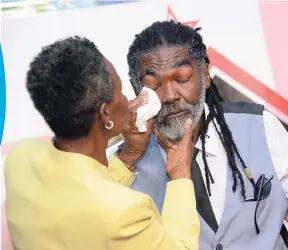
{"x": 173, "y": 128}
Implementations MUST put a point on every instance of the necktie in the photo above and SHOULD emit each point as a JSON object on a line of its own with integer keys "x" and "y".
{"x": 203, "y": 204}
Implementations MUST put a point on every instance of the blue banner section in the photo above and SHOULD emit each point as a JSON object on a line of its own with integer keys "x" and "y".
{"x": 2, "y": 94}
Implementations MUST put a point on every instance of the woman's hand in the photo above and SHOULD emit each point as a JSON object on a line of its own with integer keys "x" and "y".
{"x": 179, "y": 156}
{"x": 136, "y": 142}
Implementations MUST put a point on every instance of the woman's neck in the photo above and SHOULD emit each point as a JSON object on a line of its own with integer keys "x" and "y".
{"x": 94, "y": 148}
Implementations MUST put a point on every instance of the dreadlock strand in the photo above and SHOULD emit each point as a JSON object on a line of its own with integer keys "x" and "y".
{"x": 229, "y": 150}
{"x": 206, "y": 168}
{"x": 215, "y": 90}
{"x": 226, "y": 131}
{"x": 208, "y": 175}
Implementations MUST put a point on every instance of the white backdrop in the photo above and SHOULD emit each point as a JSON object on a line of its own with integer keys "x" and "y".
{"x": 113, "y": 28}
{"x": 234, "y": 28}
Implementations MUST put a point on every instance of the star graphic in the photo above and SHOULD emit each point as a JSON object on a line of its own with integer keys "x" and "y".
{"x": 272, "y": 98}
{"x": 171, "y": 15}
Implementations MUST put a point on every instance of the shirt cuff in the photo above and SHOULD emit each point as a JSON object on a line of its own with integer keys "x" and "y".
{"x": 119, "y": 172}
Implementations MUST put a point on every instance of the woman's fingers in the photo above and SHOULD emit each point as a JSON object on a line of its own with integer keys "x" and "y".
{"x": 150, "y": 124}
{"x": 188, "y": 132}
{"x": 167, "y": 144}
{"x": 132, "y": 119}
{"x": 138, "y": 102}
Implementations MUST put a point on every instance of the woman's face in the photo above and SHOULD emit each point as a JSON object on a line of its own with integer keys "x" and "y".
{"x": 118, "y": 109}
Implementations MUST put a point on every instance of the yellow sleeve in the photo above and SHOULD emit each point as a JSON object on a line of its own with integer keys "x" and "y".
{"x": 119, "y": 172}
{"x": 140, "y": 226}
{"x": 179, "y": 213}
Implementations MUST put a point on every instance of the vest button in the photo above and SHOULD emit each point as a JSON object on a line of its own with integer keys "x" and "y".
{"x": 219, "y": 247}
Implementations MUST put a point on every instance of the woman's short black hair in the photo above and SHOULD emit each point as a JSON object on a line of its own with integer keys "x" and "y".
{"x": 68, "y": 82}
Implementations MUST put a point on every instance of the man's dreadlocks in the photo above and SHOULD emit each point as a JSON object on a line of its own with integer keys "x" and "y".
{"x": 165, "y": 34}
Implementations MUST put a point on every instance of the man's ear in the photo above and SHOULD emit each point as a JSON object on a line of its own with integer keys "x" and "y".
{"x": 207, "y": 76}
{"x": 104, "y": 114}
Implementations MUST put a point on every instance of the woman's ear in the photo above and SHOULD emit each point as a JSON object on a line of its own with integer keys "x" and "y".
{"x": 104, "y": 115}
{"x": 207, "y": 76}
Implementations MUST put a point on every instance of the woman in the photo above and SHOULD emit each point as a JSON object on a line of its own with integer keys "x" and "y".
{"x": 63, "y": 194}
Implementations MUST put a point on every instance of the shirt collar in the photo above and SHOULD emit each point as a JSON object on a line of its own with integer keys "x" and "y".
{"x": 78, "y": 161}
{"x": 212, "y": 140}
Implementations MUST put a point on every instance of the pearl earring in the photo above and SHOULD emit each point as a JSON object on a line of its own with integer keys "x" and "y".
{"x": 110, "y": 126}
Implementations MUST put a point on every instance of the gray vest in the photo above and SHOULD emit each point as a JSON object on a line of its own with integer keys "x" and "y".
{"x": 236, "y": 230}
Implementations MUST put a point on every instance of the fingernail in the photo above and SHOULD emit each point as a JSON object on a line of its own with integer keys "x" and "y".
{"x": 189, "y": 121}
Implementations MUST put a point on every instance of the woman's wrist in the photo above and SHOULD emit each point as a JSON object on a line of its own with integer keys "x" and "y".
{"x": 128, "y": 160}
{"x": 179, "y": 173}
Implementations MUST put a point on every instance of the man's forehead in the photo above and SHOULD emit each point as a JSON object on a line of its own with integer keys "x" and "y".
{"x": 165, "y": 56}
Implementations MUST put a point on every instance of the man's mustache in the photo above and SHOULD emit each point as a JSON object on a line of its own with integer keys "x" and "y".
{"x": 172, "y": 108}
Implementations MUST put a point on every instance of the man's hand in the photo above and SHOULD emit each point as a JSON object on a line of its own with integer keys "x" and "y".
{"x": 136, "y": 143}
{"x": 179, "y": 156}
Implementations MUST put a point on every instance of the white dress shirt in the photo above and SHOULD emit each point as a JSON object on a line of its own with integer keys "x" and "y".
{"x": 277, "y": 140}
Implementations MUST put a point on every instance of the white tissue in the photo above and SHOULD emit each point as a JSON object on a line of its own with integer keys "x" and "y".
{"x": 147, "y": 111}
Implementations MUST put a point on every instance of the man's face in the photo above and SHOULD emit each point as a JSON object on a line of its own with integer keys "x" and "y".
{"x": 174, "y": 76}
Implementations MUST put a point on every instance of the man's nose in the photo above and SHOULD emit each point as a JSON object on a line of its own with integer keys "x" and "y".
{"x": 170, "y": 93}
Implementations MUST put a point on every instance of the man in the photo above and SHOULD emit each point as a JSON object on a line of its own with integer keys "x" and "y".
{"x": 240, "y": 172}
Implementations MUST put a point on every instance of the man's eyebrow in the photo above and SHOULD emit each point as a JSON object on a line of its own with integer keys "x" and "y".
{"x": 148, "y": 72}
{"x": 182, "y": 63}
